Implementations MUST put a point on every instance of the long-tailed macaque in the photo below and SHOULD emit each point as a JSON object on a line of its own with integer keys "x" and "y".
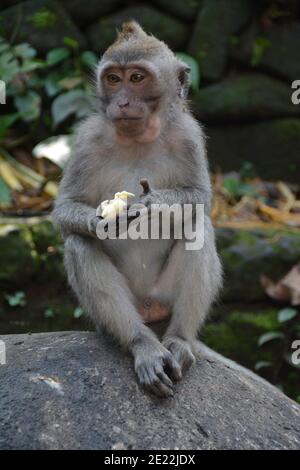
{"x": 142, "y": 129}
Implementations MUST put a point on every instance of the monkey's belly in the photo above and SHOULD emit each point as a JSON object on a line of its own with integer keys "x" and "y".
{"x": 140, "y": 261}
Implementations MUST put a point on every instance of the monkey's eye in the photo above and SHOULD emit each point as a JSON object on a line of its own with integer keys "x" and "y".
{"x": 137, "y": 77}
{"x": 113, "y": 78}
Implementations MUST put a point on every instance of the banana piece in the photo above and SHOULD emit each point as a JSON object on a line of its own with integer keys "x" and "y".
{"x": 111, "y": 208}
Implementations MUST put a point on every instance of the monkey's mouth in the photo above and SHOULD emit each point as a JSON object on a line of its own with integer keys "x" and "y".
{"x": 128, "y": 118}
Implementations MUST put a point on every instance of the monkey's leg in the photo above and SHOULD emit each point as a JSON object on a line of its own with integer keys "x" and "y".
{"x": 104, "y": 294}
{"x": 197, "y": 282}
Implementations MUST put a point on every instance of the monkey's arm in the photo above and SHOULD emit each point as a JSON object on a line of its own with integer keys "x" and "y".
{"x": 194, "y": 187}
{"x": 184, "y": 195}
{"x": 75, "y": 217}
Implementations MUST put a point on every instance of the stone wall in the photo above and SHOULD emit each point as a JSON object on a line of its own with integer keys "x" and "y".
{"x": 247, "y": 50}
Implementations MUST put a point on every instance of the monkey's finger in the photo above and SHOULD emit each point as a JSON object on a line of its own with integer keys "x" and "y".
{"x": 165, "y": 379}
{"x": 173, "y": 369}
{"x": 160, "y": 390}
{"x": 145, "y": 184}
{"x": 158, "y": 383}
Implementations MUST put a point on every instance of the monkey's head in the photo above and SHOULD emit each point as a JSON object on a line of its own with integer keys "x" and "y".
{"x": 140, "y": 83}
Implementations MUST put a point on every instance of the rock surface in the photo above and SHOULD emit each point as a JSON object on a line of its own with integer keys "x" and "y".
{"x": 43, "y": 23}
{"x": 280, "y": 42}
{"x": 102, "y": 33}
{"x": 78, "y": 391}
{"x": 271, "y": 146}
{"x": 247, "y": 254}
{"x": 217, "y": 21}
{"x": 244, "y": 97}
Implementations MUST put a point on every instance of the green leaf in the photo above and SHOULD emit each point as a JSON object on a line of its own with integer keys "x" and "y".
{"x": 265, "y": 338}
{"x": 24, "y": 50}
{"x": 89, "y": 59}
{"x": 9, "y": 67}
{"x": 17, "y": 299}
{"x": 6, "y": 121}
{"x": 48, "y": 313}
{"x": 194, "y": 66}
{"x": 72, "y": 102}
{"x": 286, "y": 314}
{"x": 29, "y": 66}
{"x": 78, "y": 312}
{"x": 237, "y": 188}
{"x": 5, "y": 196}
{"x": 258, "y": 49}
{"x": 70, "y": 42}
{"x": 51, "y": 83}
{"x": 57, "y": 55}
{"x": 29, "y": 105}
{"x": 262, "y": 364}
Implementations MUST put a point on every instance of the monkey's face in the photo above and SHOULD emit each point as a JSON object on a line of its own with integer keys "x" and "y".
{"x": 132, "y": 97}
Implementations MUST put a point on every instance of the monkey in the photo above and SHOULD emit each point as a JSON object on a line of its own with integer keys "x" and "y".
{"x": 142, "y": 129}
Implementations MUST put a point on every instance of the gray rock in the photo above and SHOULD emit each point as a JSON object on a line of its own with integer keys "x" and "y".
{"x": 278, "y": 44}
{"x": 272, "y": 146}
{"x": 217, "y": 21}
{"x": 103, "y": 32}
{"x": 243, "y": 97}
{"x": 42, "y": 23}
{"x": 75, "y": 390}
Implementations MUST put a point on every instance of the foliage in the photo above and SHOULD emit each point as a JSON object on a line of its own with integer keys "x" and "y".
{"x": 261, "y": 341}
{"x": 41, "y": 89}
{"x": 260, "y": 45}
{"x": 17, "y": 299}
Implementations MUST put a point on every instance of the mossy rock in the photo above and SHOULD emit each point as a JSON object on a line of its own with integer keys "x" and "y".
{"x": 84, "y": 13}
{"x": 42, "y": 23}
{"x": 249, "y": 254}
{"x": 217, "y": 21}
{"x": 277, "y": 47}
{"x": 29, "y": 251}
{"x": 183, "y": 10}
{"x": 18, "y": 259}
{"x": 102, "y": 33}
{"x": 273, "y": 147}
{"x": 236, "y": 337}
{"x": 244, "y": 97}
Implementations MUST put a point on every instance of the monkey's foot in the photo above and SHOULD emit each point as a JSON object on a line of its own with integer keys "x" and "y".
{"x": 181, "y": 351}
{"x": 155, "y": 367}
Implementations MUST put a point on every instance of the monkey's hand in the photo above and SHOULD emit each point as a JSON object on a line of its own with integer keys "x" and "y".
{"x": 181, "y": 351}
{"x": 147, "y": 198}
{"x": 155, "y": 366}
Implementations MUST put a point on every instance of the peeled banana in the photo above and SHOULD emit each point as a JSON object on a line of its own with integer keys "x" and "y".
{"x": 111, "y": 208}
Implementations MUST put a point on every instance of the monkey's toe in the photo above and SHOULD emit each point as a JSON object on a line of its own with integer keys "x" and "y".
{"x": 155, "y": 380}
{"x": 181, "y": 351}
{"x": 155, "y": 373}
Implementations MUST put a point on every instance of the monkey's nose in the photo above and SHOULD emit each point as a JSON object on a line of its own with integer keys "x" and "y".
{"x": 123, "y": 104}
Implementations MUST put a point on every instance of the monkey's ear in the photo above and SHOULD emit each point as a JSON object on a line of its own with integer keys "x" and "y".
{"x": 183, "y": 75}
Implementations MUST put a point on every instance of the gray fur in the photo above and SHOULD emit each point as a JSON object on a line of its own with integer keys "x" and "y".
{"x": 108, "y": 276}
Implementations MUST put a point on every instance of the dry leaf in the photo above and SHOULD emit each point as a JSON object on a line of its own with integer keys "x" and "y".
{"x": 285, "y": 290}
